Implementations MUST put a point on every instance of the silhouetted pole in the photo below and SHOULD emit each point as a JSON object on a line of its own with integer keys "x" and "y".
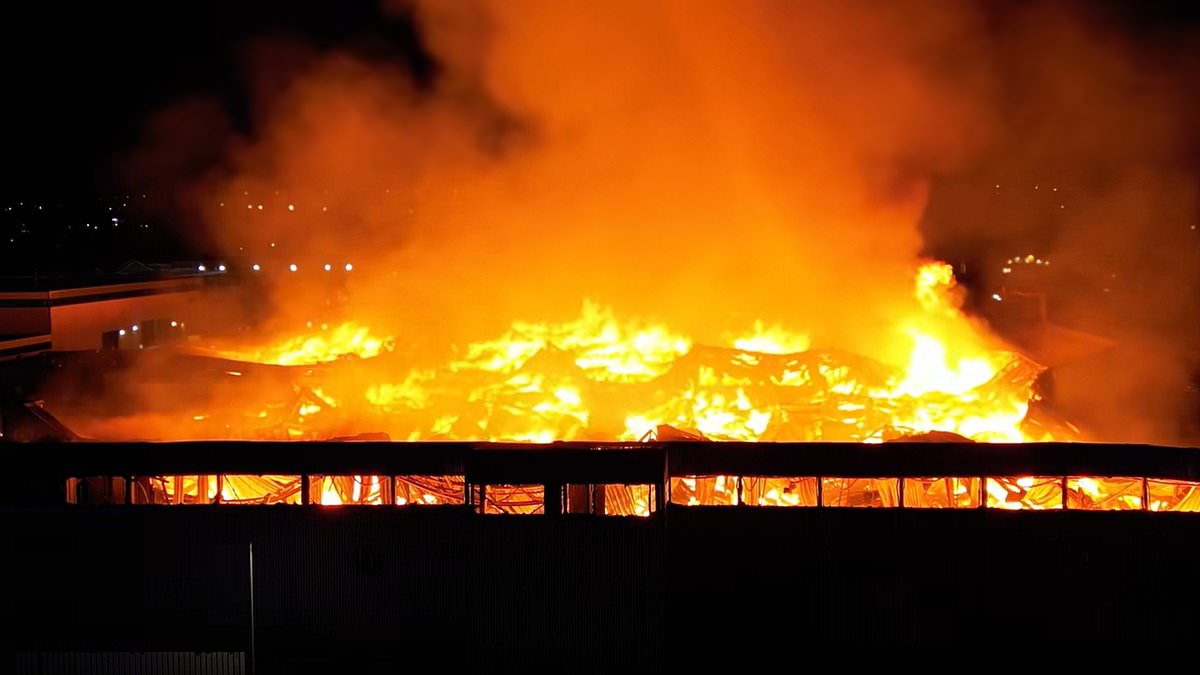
{"x": 252, "y": 655}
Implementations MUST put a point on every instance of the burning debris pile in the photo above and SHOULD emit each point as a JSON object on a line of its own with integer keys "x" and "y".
{"x": 678, "y": 160}
{"x": 683, "y": 161}
{"x": 598, "y": 379}
{"x": 372, "y": 490}
{"x": 325, "y": 490}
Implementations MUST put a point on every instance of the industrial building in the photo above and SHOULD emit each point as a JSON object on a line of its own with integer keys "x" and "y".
{"x": 104, "y": 313}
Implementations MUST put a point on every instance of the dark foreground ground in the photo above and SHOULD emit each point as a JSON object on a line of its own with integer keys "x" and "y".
{"x": 355, "y": 588}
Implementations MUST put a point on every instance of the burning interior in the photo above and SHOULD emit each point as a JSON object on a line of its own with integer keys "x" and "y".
{"x": 741, "y": 230}
{"x": 595, "y": 379}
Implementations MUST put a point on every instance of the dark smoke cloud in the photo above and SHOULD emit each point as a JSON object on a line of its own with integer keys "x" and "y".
{"x": 703, "y": 162}
{"x": 710, "y": 163}
{"x": 1101, "y": 121}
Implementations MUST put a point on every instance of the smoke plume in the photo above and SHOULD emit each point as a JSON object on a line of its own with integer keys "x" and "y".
{"x": 706, "y": 163}
{"x": 701, "y": 162}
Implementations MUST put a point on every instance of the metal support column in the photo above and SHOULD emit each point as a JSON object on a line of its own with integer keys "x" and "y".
{"x": 579, "y": 498}
{"x": 552, "y": 499}
{"x": 253, "y": 659}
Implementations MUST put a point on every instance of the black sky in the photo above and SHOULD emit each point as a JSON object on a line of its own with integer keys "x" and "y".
{"x": 81, "y": 79}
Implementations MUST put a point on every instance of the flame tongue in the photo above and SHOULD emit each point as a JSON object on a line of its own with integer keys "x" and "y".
{"x": 317, "y": 344}
{"x": 601, "y": 347}
{"x": 597, "y": 378}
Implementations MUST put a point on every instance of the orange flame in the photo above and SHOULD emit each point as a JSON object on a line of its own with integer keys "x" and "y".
{"x": 314, "y": 346}
{"x": 599, "y": 378}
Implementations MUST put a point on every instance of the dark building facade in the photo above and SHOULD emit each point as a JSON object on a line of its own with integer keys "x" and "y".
{"x": 391, "y": 587}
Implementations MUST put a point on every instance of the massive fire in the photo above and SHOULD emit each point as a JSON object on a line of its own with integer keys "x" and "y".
{"x": 598, "y": 378}
{"x": 317, "y": 344}
{"x": 602, "y": 379}
{"x": 748, "y": 227}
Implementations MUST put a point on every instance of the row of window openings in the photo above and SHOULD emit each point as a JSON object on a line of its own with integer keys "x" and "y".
{"x": 1012, "y": 493}
{"x": 329, "y": 490}
{"x": 1016, "y": 493}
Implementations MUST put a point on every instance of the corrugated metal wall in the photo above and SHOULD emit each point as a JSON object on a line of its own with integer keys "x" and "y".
{"x": 349, "y": 589}
{"x": 131, "y": 663}
{"x": 341, "y": 588}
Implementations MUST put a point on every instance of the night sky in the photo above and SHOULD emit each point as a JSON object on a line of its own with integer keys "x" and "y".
{"x": 81, "y": 83}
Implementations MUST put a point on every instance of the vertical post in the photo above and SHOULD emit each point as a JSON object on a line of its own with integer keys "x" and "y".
{"x": 983, "y": 492}
{"x": 387, "y": 491}
{"x": 304, "y": 498}
{"x": 900, "y": 492}
{"x": 220, "y": 488}
{"x": 662, "y": 495}
{"x": 552, "y": 499}
{"x": 1064, "y": 492}
{"x": 579, "y": 498}
{"x": 820, "y": 492}
{"x": 597, "y": 493}
{"x": 1145, "y": 494}
{"x": 128, "y": 490}
{"x": 253, "y": 663}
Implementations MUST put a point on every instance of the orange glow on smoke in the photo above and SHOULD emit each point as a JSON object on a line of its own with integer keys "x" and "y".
{"x": 601, "y": 377}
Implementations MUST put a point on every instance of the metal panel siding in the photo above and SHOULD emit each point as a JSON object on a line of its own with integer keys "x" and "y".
{"x": 349, "y": 588}
{"x": 581, "y": 590}
{"x": 351, "y": 579}
{"x": 128, "y": 663}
